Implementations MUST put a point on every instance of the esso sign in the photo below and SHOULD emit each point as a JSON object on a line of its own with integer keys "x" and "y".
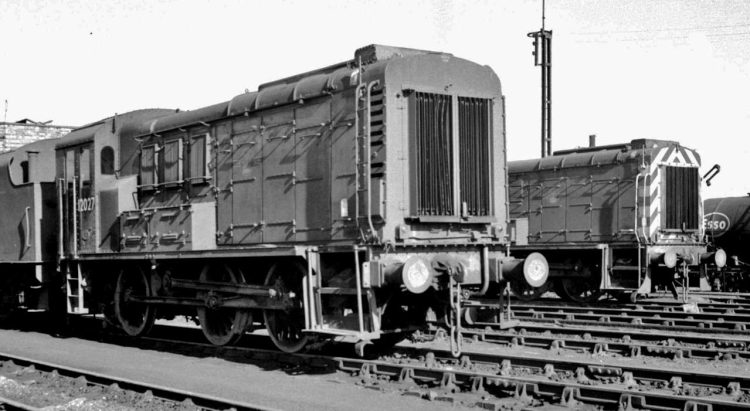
{"x": 716, "y": 224}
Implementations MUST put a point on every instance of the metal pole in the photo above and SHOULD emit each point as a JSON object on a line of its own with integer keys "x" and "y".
{"x": 547, "y": 68}
{"x": 544, "y": 92}
{"x": 543, "y": 58}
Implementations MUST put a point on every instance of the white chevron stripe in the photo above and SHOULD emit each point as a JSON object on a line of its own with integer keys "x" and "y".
{"x": 676, "y": 158}
{"x": 655, "y": 202}
{"x": 653, "y": 188}
{"x": 654, "y": 225}
{"x": 691, "y": 157}
{"x": 659, "y": 158}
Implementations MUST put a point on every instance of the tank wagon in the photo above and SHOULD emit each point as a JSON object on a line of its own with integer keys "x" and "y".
{"x": 619, "y": 219}
{"x": 349, "y": 201}
{"x": 727, "y": 224}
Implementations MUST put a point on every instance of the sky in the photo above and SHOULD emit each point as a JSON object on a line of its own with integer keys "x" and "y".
{"x": 621, "y": 69}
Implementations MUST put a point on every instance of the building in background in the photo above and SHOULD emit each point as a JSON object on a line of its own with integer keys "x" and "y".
{"x": 14, "y": 135}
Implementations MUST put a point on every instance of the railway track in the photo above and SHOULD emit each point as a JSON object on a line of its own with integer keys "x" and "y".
{"x": 615, "y": 330}
{"x": 723, "y": 296}
{"x": 648, "y": 381}
{"x": 668, "y": 306}
{"x": 478, "y": 378}
{"x": 169, "y": 395}
{"x": 489, "y": 378}
{"x": 601, "y": 341}
{"x": 711, "y": 321}
{"x": 733, "y": 319}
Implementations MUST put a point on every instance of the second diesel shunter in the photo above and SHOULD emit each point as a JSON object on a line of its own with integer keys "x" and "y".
{"x": 620, "y": 219}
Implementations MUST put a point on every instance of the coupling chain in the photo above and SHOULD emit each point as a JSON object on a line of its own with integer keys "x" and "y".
{"x": 456, "y": 337}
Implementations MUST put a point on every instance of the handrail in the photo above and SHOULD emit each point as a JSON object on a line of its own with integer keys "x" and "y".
{"x": 368, "y": 137}
{"x": 357, "y": 93}
{"x": 26, "y": 233}
{"x": 711, "y": 174}
{"x": 75, "y": 217}
{"x": 306, "y": 295}
{"x": 60, "y": 221}
{"x": 358, "y": 280}
{"x": 643, "y": 208}
{"x": 635, "y": 228}
{"x": 635, "y": 223}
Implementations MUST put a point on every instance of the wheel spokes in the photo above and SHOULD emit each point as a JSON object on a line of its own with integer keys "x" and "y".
{"x": 285, "y": 326}
{"x": 134, "y": 318}
{"x": 582, "y": 290}
{"x": 221, "y": 326}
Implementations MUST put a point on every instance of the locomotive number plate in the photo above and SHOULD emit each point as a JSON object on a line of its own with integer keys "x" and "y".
{"x": 85, "y": 204}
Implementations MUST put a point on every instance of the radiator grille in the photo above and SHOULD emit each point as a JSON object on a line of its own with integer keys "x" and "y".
{"x": 681, "y": 197}
{"x": 433, "y": 123}
{"x": 474, "y": 142}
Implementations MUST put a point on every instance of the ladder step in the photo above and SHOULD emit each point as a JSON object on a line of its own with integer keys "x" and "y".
{"x": 337, "y": 290}
{"x": 625, "y": 268}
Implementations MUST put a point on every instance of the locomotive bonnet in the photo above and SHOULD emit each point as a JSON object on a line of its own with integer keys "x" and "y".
{"x": 350, "y": 201}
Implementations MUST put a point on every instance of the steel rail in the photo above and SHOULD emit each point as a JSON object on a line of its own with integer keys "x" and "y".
{"x": 571, "y": 315}
{"x": 716, "y": 303}
{"x": 731, "y": 321}
{"x": 632, "y": 323}
{"x": 684, "y": 321}
{"x": 625, "y": 346}
{"x": 166, "y": 393}
{"x": 705, "y": 341}
{"x": 733, "y": 312}
{"x": 11, "y": 405}
{"x": 656, "y": 307}
{"x": 716, "y": 307}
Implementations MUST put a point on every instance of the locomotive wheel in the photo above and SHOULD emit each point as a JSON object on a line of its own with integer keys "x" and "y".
{"x": 285, "y": 326}
{"x": 221, "y": 326}
{"x": 134, "y": 318}
{"x": 579, "y": 289}
{"x": 525, "y": 292}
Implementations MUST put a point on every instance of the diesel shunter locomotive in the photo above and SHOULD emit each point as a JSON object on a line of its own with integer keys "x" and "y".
{"x": 347, "y": 202}
{"x": 620, "y": 219}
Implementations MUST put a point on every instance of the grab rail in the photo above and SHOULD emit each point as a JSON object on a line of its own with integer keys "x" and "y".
{"x": 368, "y": 154}
{"x": 26, "y": 232}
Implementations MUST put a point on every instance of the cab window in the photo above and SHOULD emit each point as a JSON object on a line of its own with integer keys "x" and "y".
{"x": 149, "y": 162}
{"x": 107, "y": 161}
{"x": 199, "y": 155}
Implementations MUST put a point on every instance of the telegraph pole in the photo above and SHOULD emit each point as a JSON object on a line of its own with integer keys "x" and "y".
{"x": 543, "y": 58}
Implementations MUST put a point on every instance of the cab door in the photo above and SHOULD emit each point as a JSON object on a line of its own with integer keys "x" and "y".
{"x": 78, "y": 200}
